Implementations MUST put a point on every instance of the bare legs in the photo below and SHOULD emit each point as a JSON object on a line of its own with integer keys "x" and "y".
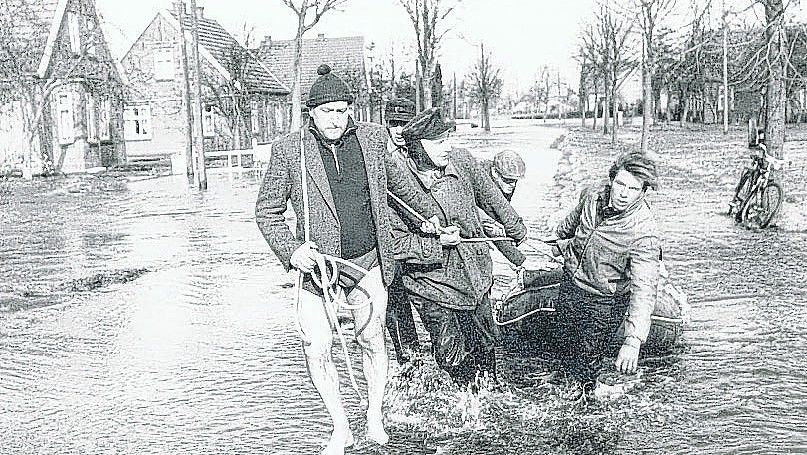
{"x": 317, "y": 342}
{"x": 370, "y": 323}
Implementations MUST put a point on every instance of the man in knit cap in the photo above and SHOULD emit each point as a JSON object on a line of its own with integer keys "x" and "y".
{"x": 340, "y": 204}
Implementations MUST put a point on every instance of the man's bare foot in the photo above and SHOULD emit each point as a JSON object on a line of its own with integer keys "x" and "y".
{"x": 375, "y": 431}
{"x": 340, "y": 438}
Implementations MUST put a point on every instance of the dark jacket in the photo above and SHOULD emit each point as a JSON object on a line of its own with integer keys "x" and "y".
{"x": 508, "y": 249}
{"x": 282, "y": 183}
{"x": 455, "y": 277}
{"x": 614, "y": 255}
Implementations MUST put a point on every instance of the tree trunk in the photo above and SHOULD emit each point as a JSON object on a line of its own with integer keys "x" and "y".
{"x": 776, "y": 96}
{"x": 647, "y": 105}
{"x": 606, "y": 111}
{"x": 615, "y": 116}
{"x": 296, "y": 105}
{"x": 485, "y": 115}
{"x": 684, "y": 110}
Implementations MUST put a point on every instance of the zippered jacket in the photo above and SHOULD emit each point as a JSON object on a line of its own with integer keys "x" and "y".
{"x": 614, "y": 255}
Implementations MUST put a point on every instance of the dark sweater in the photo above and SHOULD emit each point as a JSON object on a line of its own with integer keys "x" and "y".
{"x": 347, "y": 178}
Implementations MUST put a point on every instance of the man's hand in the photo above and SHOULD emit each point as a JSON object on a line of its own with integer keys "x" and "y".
{"x": 450, "y": 236}
{"x": 305, "y": 257}
{"x": 491, "y": 228}
{"x": 628, "y": 357}
{"x": 432, "y": 227}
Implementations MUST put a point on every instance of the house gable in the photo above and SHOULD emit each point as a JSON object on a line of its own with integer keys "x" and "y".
{"x": 345, "y": 55}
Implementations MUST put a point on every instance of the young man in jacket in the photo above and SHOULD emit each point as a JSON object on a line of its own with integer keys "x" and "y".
{"x": 610, "y": 246}
{"x": 348, "y": 218}
{"x": 447, "y": 279}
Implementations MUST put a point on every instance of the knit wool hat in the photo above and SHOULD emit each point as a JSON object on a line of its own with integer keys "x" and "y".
{"x": 428, "y": 124}
{"x": 328, "y": 88}
{"x": 399, "y": 110}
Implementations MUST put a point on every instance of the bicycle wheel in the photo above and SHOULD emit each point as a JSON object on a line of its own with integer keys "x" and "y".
{"x": 741, "y": 193}
{"x": 761, "y": 207}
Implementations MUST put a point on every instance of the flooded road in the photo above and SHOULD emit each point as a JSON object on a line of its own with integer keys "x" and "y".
{"x": 145, "y": 317}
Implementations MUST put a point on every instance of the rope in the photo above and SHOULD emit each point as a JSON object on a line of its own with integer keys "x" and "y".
{"x": 326, "y": 282}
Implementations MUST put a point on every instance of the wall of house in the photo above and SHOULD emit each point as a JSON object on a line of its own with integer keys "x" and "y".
{"x": 162, "y": 96}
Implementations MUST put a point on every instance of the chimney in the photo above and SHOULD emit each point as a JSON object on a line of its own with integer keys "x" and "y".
{"x": 200, "y": 12}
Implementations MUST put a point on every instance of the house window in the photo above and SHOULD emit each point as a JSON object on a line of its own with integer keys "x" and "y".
{"x": 208, "y": 124}
{"x": 74, "y": 31}
{"x": 164, "y": 64}
{"x": 278, "y": 118}
{"x": 64, "y": 106}
{"x": 92, "y": 119}
{"x": 105, "y": 119}
{"x": 137, "y": 122}
{"x": 255, "y": 117}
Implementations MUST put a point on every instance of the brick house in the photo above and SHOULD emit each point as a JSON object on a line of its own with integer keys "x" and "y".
{"x": 243, "y": 103}
{"x": 61, "y": 92}
{"x": 345, "y": 56}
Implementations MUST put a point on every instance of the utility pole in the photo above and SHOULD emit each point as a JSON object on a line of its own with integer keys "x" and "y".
{"x": 190, "y": 163}
{"x": 200, "y": 176}
{"x": 725, "y": 71}
{"x": 454, "y": 95}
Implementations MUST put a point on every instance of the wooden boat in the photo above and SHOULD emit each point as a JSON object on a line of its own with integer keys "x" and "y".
{"x": 526, "y": 314}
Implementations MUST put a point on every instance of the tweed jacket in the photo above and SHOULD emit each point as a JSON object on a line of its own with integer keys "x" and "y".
{"x": 282, "y": 183}
{"x": 454, "y": 277}
{"x": 614, "y": 256}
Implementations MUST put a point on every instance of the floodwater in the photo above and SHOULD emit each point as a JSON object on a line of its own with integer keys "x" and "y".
{"x": 141, "y": 316}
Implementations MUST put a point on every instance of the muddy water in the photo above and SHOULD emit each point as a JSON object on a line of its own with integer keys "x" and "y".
{"x": 144, "y": 317}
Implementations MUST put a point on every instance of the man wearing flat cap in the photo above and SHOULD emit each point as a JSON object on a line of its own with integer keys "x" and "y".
{"x": 340, "y": 203}
{"x": 400, "y": 321}
{"x": 448, "y": 279}
{"x": 504, "y": 170}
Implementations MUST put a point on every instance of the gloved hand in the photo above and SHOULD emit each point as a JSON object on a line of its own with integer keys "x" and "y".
{"x": 305, "y": 257}
{"x": 450, "y": 236}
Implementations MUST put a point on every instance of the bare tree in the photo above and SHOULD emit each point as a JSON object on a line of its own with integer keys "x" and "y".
{"x": 308, "y": 12}
{"x": 650, "y": 12}
{"x": 615, "y": 30}
{"x": 486, "y": 85}
{"x": 427, "y": 17}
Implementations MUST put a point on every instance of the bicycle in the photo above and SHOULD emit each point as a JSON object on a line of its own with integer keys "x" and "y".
{"x": 757, "y": 197}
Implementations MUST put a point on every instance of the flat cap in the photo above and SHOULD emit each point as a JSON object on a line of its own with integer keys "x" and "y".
{"x": 509, "y": 165}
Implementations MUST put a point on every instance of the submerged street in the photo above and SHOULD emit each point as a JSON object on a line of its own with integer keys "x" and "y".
{"x": 141, "y": 316}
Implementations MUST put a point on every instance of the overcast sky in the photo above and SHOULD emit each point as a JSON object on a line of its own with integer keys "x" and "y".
{"x": 521, "y": 34}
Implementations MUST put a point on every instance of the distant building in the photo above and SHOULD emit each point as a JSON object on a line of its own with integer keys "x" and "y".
{"x": 242, "y": 101}
{"x": 60, "y": 100}
{"x": 344, "y": 55}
